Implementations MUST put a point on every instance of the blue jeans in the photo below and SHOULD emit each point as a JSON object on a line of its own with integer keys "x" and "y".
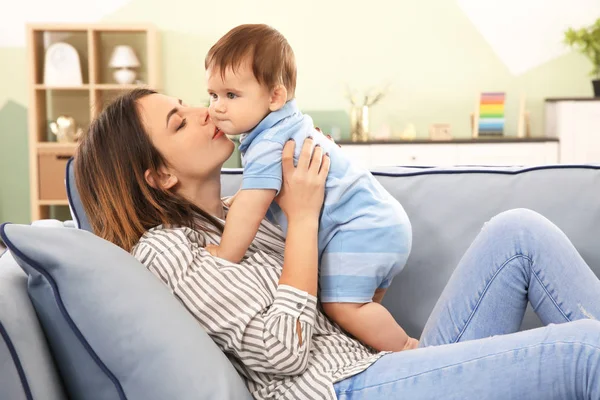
{"x": 469, "y": 348}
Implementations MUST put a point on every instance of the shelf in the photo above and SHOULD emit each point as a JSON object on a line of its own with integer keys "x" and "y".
{"x": 64, "y": 202}
{"x": 41, "y": 86}
{"x": 94, "y": 44}
{"x": 57, "y": 146}
{"x": 106, "y": 42}
{"x": 97, "y": 86}
{"x": 116, "y": 86}
{"x": 131, "y": 28}
{"x": 502, "y": 139}
{"x": 40, "y": 42}
{"x": 557, "y": 99}
{"x": 60, "y": 27}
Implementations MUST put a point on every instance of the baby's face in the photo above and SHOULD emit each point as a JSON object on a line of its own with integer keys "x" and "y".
{"x": 238, "y": 102}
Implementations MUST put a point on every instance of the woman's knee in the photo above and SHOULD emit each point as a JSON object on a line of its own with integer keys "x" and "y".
{"x": 518, "y": 220}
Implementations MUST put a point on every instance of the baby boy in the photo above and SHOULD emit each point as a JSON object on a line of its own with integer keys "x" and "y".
{"x": 365, "y": 235}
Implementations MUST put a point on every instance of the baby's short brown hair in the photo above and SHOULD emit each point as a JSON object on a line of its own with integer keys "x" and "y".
{"x": 271, "y": 56}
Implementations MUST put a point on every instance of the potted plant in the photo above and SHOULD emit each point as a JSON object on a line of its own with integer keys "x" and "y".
{"x": 587, "y": 41}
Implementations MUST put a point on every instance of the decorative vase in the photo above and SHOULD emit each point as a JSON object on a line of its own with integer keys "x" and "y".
{"x": 359, "y": 123}
{"x": 596, "y": 85}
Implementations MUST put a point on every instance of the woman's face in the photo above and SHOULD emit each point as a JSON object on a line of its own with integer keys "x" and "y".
{"x": 186, "y": 137}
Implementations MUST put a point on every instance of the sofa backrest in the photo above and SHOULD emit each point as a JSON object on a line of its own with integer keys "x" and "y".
{"x": 75, "y": 205}
{"x": 448, "y": 206}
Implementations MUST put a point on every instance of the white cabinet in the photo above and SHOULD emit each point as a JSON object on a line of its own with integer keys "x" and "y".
{"x": 359, "y": 153}
{"x": 414, "y": 154}
{"x": 576, "y": 123}
{"x": 508, "y": 154}
{"x": 459, "y": 152}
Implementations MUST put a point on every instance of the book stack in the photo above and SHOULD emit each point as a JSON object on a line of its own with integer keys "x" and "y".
{"x": 491, "y": 114}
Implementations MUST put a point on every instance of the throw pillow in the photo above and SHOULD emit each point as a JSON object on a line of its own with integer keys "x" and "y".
{"x": 27, "y": 371}
{"x": 115, "y": 330}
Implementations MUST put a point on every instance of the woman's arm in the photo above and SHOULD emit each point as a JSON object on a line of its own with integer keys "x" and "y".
{"x": 234, "y": 306}
{"x": 267, "y": 332}
{"x": 301, "y": 199}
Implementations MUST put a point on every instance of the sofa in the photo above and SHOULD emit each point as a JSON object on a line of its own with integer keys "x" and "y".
{"x": 82, "y": 319}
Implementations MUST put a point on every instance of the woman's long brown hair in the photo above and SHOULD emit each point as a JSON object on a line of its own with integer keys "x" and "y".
{"x": 110, "y": 164}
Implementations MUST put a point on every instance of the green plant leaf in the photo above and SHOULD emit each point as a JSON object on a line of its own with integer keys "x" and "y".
{"x": 586, "y": 41}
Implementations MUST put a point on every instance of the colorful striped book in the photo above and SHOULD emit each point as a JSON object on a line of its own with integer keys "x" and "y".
{"x": 489, "y": 119}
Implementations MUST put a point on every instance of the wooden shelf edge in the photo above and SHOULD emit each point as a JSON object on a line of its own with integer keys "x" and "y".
{"x": 56, "y": 145}
{"x": 64, "y": 202}
{"x": 41, "y": 86}
{"x": 117, "y": 27}
{"x": 101, "y": 27}
{"x": 57, "y": 27}
{"x": 117, "y": 86}
{"x": 65, "y": 149}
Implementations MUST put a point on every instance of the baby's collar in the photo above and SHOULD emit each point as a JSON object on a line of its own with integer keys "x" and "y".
{"x": 290, "y": 108}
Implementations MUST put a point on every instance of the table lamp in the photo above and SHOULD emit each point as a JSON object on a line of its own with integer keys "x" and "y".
{"x": 124, "y": 60}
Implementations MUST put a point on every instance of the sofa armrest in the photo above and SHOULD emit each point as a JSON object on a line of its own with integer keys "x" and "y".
{"x": 53, "y": 223}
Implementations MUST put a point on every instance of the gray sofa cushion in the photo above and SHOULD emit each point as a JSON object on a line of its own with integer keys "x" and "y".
{"x": 27, "y": 370}
{"x": 115, "y": 330}
{"x": 448, "y": 206}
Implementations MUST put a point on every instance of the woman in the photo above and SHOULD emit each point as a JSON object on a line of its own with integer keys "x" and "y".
{"x": 148, "y": 172}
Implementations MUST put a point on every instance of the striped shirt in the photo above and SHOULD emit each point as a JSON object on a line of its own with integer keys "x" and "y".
{"x": 252, "y": 318}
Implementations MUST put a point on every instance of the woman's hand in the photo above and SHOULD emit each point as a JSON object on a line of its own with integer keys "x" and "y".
{"x": 303, "y": 188}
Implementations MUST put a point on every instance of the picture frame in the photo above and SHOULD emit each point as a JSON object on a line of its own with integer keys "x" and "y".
{"x": 440, "y": 132}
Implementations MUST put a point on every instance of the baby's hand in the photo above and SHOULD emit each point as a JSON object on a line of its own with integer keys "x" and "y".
{"x": 213, "y": 249}
{"x": 411, "y": 344}
{"x": 230, "y": 200}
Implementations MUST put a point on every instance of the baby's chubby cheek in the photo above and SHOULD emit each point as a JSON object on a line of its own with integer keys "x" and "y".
{"x": 214, "y": 117}
{"x": 211, "y": 112}
{"x": 224, "y": 125}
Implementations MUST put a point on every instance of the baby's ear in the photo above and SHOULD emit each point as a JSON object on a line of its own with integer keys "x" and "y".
{"x": 278, "y": 97}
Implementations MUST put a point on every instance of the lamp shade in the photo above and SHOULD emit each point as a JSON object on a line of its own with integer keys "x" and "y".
{"x": 123, "y": 57}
